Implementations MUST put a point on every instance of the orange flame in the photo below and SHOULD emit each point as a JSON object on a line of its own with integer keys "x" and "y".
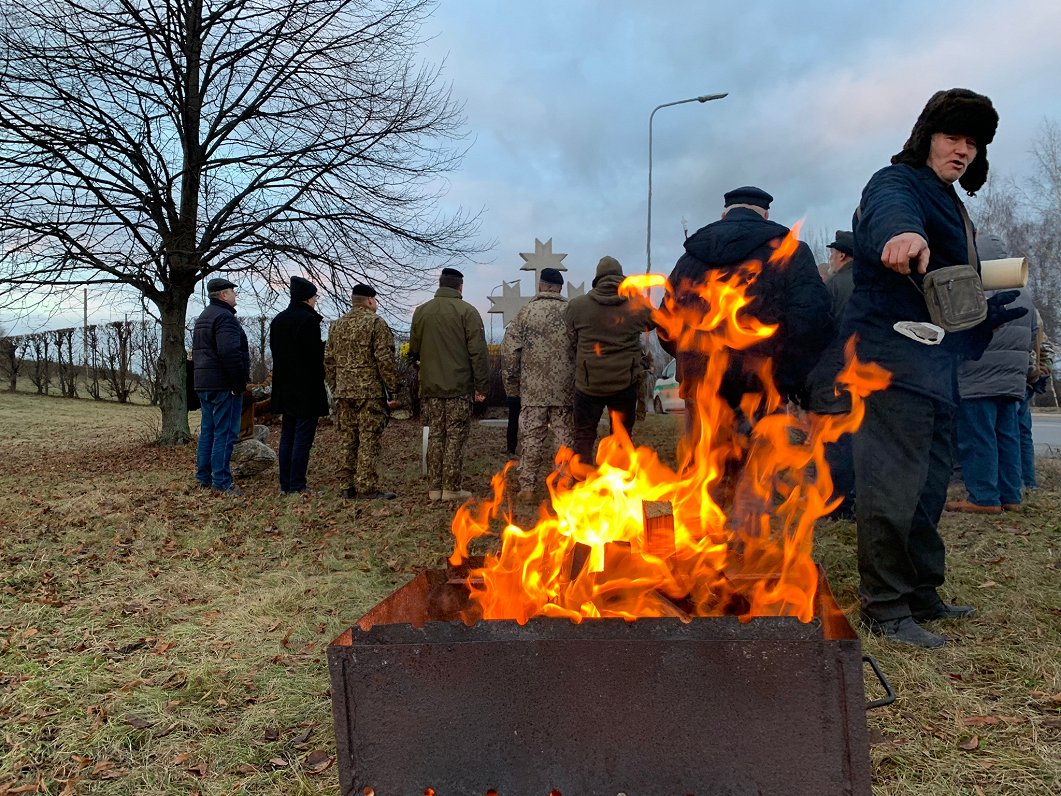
{"x": 742, "y": 504}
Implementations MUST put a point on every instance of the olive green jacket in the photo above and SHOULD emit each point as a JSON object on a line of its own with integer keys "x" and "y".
{"x": 449, "y": 341}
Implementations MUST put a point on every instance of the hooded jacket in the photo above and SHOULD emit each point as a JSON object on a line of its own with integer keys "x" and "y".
{"x": 790, "y": 295}
{"x": 604, "y": 331}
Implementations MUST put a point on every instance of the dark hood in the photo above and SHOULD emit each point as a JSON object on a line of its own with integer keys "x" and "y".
{"x": 734, "y": 239}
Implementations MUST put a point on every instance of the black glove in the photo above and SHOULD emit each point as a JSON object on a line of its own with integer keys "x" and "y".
{"x": 997, "y": 314}
{"x": 979, "y": 337}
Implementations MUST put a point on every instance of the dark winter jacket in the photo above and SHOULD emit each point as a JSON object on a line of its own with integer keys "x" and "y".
{"x": 448, "y": 339}
{"x": 1002, "y": 371}
{"x": 605, "y": 332}
{"x": 220, "y": 350}
{"x": 899, "y": 199}
{"x": 840, "y": 287}
{"x": 298, "y": 362}
{"x": 790, "y": 295}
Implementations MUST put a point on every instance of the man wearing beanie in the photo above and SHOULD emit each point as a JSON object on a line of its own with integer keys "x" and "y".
{"x": 605, "y": 333}
{"x": 910, "y": 221}
{"x": 790, "y": 295}
{"x": 298, "y": 382}
{"x": 538, "y": 365}
{"x": 449, "y": 342}
{"x": 221, "y": 358}
{"x": 362, "y": 373}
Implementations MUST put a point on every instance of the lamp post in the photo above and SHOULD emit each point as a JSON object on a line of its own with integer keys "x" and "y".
{"x": 702, "y": 98}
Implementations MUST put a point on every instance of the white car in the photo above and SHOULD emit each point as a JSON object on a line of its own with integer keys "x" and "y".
{"x": 665, "y": 396}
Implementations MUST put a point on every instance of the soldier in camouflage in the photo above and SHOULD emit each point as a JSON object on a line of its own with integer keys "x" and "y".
{"x": 449, "y": 342}
{"x": 360, "y": 369}
{"x": 538, "y": 364}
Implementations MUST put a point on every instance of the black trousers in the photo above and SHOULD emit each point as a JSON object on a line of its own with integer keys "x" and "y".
{"x": 840, "y": 456}
{"x": 902, "y": 457}
{"x": 512, "y": 432}
{"x": 588, "y": 411}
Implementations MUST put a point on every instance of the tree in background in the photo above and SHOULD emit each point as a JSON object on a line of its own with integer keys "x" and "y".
{"x": 152, "y": 143}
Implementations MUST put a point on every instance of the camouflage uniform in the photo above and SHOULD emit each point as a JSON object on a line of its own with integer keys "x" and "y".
{"x": 538, "y": 364}
{"x": 448, "y": 340}
{"x": 359, "y": 365}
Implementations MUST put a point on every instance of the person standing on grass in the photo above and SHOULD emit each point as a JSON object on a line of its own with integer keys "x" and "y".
{"x": 449, "y": 344}
{"x": 538, "y": 366}
{"x": 222, "y": 369}
{"x": 911, "y": 221}
{"x": 604, "y": 330}
{"x": 298, "y": 392}
{"x": 991, "y": 390}
{"x": 361, "y": 371}
{"x": 1040, "y": 372}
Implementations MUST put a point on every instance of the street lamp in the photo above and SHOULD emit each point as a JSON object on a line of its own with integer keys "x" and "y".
{"x": 703, "y": 98}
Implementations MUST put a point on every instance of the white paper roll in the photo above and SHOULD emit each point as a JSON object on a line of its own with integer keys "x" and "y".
{"x": 1004, "y": 274}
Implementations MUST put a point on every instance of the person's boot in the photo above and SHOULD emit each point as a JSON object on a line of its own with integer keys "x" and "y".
{"x": 968, "y": 507}
{"x": 904, "y": 631}
{"x": 377, "y": 496}
{"x": 349, "y": 493}
{"x": 942, "y": 610}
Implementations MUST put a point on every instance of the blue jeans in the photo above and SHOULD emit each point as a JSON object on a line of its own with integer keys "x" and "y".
{"x": 217, "y": 434}
{"x": 296, "y": 439}
{"x": 1027, "y": 444}
{"x": 989, "y": 447}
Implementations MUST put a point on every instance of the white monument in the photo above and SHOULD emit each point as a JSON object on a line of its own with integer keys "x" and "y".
{"x": 512, "y": 300}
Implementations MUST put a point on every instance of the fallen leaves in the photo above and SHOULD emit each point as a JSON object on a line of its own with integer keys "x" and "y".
{"x": 318, "y": 761}
{"x": 969, "y": 744}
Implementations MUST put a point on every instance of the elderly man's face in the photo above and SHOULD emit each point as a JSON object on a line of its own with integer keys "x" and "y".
{"x": 950, "y": 155}
{"x": 837, "y": 260}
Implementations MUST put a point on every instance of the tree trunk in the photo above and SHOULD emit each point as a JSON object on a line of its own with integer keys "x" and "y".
{"x": 172, "y": 398}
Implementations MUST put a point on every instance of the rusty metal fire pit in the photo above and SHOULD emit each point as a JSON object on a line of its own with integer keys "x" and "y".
{"x": 424, "y": 704}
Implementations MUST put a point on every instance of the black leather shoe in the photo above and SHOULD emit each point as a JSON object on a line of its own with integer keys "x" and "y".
{"x": 944, "y": 610}
{"x": 377, "y": 496}
{"x": 232, "y": 491}
{"x": 904, "y": 631}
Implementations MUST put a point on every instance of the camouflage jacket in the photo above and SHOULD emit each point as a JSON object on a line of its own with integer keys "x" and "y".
{"x": 359, "y": 357}
{"x": 538, "y": 363}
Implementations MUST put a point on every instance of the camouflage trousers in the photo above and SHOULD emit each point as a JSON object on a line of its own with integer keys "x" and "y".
{"x": 361, "y": 425}
{"x": 450, "y": 420}
{"x": 538, "y": 451}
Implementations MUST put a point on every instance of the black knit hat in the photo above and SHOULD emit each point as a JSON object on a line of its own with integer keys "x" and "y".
{"x": 302, "y": 289}
{"x": 361, "y": 289}
{"x": 552, "y": 276}
{"x": 958, "y": 111}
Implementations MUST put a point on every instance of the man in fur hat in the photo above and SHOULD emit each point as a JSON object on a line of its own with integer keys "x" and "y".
{"x": 911, "y": 221}
{"x": 298, "y": 393}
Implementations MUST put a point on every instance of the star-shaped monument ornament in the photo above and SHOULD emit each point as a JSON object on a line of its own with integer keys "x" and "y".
{"x": 512, "y": 300}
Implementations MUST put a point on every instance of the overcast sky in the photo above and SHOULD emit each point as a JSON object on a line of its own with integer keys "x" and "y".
{"x": 558, "y": 95}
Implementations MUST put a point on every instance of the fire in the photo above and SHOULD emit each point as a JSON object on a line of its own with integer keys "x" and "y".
{"x": 729, "y": 531}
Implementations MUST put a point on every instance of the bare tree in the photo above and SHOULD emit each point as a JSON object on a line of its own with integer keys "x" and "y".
{"x": 64, "y": 361}
{"x": 12, "y": 356}
{"x": 41, "y": 375}
{"x": 149, "y": 346}
{"x": 117, "y": 358}
{"x": 92, "y": 382}
{"x": 152, "y": 143}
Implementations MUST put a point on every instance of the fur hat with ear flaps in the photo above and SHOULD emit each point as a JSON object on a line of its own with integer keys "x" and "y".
{"x": 958, "y": 111}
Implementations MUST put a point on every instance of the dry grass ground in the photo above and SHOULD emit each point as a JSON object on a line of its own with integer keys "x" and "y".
{"x": 157, "y": 640}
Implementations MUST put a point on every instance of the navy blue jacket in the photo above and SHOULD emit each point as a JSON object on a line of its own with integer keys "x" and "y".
{"x": 900, "y": 199}
{"x": 219, "y": 350}
{"x": 790, "y": 294}
{"x": 298, "y": 362}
